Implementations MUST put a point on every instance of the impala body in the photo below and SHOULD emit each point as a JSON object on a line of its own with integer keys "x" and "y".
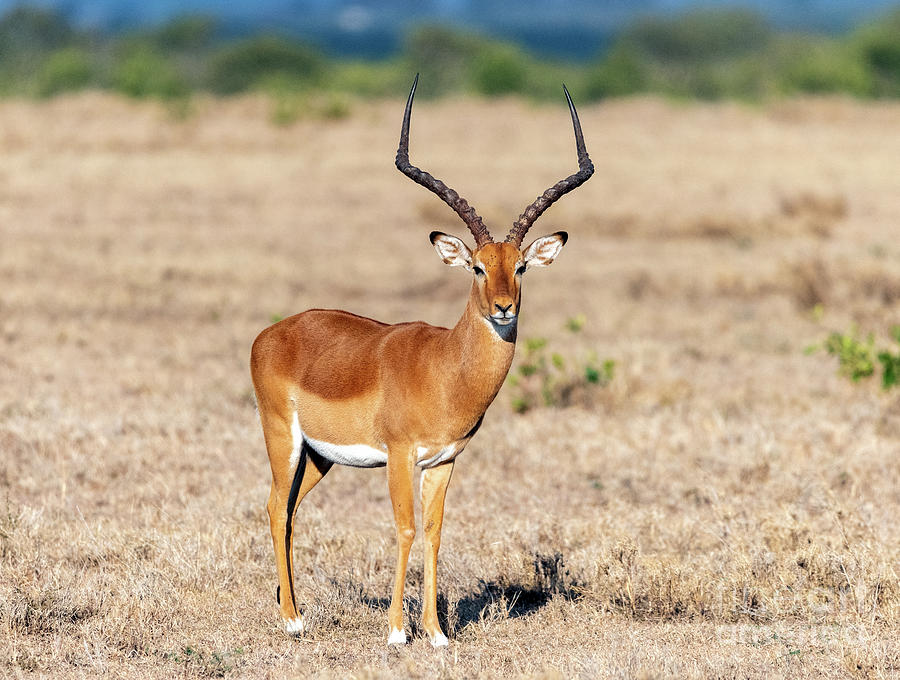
{"x": 333, "y": 387}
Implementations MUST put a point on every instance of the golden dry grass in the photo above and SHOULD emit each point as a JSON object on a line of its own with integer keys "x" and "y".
{"x": 727, "y": 507}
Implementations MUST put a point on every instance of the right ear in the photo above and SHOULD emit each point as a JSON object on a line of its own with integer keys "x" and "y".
{"x": 451, "y": 249}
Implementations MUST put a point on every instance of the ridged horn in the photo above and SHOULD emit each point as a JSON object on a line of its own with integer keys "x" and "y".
{"x": 448, "y": 195}
{"x": 554, "y": 193}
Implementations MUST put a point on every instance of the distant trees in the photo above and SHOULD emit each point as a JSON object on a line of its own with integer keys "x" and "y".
{"x": 702, "y": 53}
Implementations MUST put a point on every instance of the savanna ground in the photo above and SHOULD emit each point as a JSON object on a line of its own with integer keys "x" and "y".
{"x": 726, "y": 507}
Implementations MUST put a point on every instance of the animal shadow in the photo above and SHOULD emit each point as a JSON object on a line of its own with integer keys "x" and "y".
{"x": 551, "y": 579}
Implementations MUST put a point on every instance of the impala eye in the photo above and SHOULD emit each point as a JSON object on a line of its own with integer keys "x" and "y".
{"x": 478, "y": 270}
{"x": 520, "y": 270}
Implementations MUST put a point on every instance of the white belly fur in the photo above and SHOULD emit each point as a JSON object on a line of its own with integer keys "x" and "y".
{"x": 355, "y": 455}
{"x": 362, "y": 455}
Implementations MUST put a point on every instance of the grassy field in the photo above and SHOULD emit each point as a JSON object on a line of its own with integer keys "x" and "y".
{"x": 726, "y": 507}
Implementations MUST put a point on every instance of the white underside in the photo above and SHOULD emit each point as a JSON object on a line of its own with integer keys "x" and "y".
{"x": 363, "y": 455}
{"x": 397, "y": 637}
{"x": 439, "y": 640}
{"x": 355, "y": 455}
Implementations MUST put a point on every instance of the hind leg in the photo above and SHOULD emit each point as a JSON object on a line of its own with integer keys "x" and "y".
{"x": 296, "y": 469}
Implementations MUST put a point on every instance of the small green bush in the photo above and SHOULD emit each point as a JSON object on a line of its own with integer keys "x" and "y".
{"x": 290, "y": 105}
{"x": 890, "y": 363}
{"x": 548, "y": 378}
{"x": 620, "y": 73}
{"x": 65, "y": 70}
{"x": 370, "y": 79}
{"x": 857, "y": 357}
{"x": 146, "y": 73}
{"x": 823, "y": 67}
{"x": 442, "y": 56}
{"x": 252, "y": 62}
{"x": 499, "y": 69}
{"x": 878, "y": 45}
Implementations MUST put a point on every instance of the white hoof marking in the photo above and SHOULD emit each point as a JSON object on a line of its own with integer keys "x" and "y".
{"x": 439, "y": 640}
{"x": 294, "y": 626}
{"x": 397, "y": 637}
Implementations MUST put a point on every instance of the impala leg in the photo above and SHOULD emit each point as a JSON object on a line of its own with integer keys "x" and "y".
{"x": 289, "y": 485}
{"x": 434, "y": 489}
{"x": 400, "y": 481}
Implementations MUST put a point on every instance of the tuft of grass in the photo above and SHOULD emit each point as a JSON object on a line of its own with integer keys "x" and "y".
{"x": 204, "y": 664}
{"x": 857, "y": 356}
{"x": 548, "y": 378}
{"x": 890, "y": 363}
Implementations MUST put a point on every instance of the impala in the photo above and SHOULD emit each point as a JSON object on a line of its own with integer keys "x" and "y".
{"x": 333, "y": 387}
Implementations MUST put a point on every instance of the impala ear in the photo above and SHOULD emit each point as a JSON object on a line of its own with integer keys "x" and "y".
{"x": 451, "y": 249}
{"x": 544, "y": 250}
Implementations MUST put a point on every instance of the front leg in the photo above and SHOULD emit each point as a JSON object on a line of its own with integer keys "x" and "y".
{"x": 400, "y": 467}
{"x": 434, "y": 488}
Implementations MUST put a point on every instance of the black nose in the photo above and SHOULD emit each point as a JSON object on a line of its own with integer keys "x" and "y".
{"x": 503, "y": 309}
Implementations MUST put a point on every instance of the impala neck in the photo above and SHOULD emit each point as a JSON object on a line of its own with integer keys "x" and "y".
{"x": 484, "y": 351}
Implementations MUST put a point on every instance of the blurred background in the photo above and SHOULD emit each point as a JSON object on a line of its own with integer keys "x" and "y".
{"x": 751, "y": 50}
{"x": 693, "y": 466}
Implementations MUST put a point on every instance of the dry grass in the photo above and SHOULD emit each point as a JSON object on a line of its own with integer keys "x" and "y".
{"x": 727, "y": 508}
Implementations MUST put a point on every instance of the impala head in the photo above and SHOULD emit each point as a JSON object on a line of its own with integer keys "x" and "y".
{"x": 497, "y": 267}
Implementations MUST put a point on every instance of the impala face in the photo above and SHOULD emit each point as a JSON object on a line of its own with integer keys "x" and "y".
{"x": 498, "y": 269}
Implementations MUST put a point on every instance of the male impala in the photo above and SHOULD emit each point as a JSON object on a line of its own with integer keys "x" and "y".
{"x": 333, "y": 387}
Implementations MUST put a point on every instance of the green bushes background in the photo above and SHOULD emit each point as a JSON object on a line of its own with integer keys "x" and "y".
{"x": 703, "y": 53}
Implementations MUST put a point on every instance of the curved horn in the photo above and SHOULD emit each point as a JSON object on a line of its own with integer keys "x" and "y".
{"x": 450, "y": 197}
{"x": 549, "y": 197}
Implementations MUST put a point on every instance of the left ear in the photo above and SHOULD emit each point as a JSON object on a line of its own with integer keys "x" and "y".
{"x": 544, "y": 250}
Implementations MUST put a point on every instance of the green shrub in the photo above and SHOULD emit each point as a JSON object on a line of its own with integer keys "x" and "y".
{"x": 371, "y": 79}
{"x": 749, "y": 78}
{"x": 442, "y": 56}
{"x": 823, "y": 67}
{"x": 857, "y": 358}
{"x": 890, "y": 363}
{"x": 65, "y": 70}
{"x": 622, "y": 72}
{"x": 878, "y": 45}
{"x": 499, "y": 69}
{"x": 290, "y": 105}
{"x": 146, "y": 73}
{"x": 548, "y": 378}
{"x": 700, "y": 34}
{"x": 252, "y": 62}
